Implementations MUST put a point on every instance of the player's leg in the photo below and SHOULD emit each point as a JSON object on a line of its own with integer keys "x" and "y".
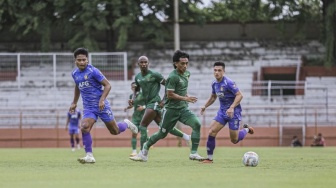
{"x": 189, "y": 118}
{"x": 76, "y": 134}
{"x": 136, "y": 121}
{"x": 112, "y": 125}
{"x": 147, "y": 118}
{"x": 86, "y": 126}
{"x": 236, "y": 135}
{"x": 215, "y": 127}
{"x": 175, "y": 131}
{"x": 72, "y": 140}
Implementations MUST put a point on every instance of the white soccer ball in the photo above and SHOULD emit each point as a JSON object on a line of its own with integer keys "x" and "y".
{"x": 250, "y": 158}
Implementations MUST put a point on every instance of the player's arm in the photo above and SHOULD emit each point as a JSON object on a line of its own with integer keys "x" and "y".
{"x": 209, "y": 102}
{"x": 75, "y": 99}
{"x": 131, "y": 101}
{"x": 172, "y": 95}
{"x": 236, "y": 102}
{"x": 67, "y": 122}
{"x": 107, "y": 88}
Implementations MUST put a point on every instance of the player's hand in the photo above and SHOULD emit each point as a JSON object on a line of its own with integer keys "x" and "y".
{"x": 229, "y": 112}
{"x": 202, "y": 110}
{"x": 191, "y": 99}
{"x": 140, "y": 108}
{"x": 130, "y": 102}
{"x": 101, "y": 105}
{"x": 73, "y": 107}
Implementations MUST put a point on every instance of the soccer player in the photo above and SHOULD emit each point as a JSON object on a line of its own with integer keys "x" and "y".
{"x": 149, "y": 83}
{"x": 229, "y": 112}
{"x": 94, "y": 88}
{"x": 139, "y": 110}
{"x": 73, "y": 122}
{"x": 176, "y": 108}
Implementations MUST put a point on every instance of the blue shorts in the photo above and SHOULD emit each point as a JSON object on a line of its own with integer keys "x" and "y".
{"x": 234, "y": 122}
{"x": 106, "y": 115}
{"x": 73, "y": 130}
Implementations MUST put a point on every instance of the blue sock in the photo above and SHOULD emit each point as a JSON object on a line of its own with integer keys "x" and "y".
{"x": 87, "y": 142}
{"x": 211, "y": 144}
{"x": 72, "y": 142}
{"x": 241, "y": 135}
{"x": 122, "y": 126}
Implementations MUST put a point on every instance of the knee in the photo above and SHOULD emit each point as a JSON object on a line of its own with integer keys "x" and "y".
{"x": 213, "y": 132}
{"x": 234, "y": 141}
{"x": 85, "y": 127}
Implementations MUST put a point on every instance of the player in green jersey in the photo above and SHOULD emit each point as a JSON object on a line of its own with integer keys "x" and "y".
{"x": 149, "y": 84}
{"x": 139, "y": 110}
{"x": 176, "y": 108}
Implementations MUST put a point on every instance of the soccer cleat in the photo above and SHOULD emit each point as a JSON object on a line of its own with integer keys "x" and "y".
{"x": 140, "y": 157}
{"x": 133, "y": 154}
{"x": 207, "y": 160}
{"x": 251, "y": 130}
{"x": 73, "y": 149}
{"x": 188, "y": 142}
{"x": 87, "y": 159}
{"x": 78, "y": 146}
{"x": 196, "y": 157}
{"x": 131, "y": 126}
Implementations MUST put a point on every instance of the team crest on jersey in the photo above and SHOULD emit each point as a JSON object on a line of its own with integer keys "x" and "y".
{"x": 221, "y": 88}
{"x": 163, "y": 130}
{"x": 86, "y": 77}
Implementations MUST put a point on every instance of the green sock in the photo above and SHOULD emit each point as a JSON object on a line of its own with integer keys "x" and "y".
{"x": 195, "y": 139}
{"x": 134, "y": 143}
{"x": 143, "y": 135}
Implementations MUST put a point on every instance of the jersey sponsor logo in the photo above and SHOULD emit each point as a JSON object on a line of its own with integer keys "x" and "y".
{"x": 220, "y": 94}
{"x": 84, "y": 84}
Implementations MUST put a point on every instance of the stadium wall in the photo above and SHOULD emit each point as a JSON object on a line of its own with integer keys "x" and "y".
{"x": 53, "y": 138}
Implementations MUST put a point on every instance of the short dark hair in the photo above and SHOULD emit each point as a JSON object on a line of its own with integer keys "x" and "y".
{"x": 219, "y": 63}
{"x": 179, "y": 54}
{"x": 82, "y": 51}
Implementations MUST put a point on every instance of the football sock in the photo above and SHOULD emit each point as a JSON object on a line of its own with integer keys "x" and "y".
{"x": 241, "y": 135}
{"x": 195, "y": 138}
{"x": 77, "y": 141}
{"x": 122, "y": 126}
{"x": 186, "y": 137}
{"x": 87, "y": 142}
{"x": 134, "y": 142}
{"x": 143, "y": 135}
{"x": 72, "y": 142}
{"x": 211, "y": 144}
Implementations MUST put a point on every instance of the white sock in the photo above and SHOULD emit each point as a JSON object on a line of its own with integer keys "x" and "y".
{"x": 247, "y": 130}
{"x": 134, "y": 151}
{"x": 210, "y": 157}
{"x": 186, "y": 136}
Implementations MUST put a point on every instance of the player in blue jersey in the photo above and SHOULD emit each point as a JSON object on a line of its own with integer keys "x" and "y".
{"x": 94, "y": 88}
{"x": 229, "y": 112}
{"x": 72, "y": 125}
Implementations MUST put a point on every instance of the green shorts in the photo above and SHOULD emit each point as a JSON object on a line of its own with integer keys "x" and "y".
{"x": 171, "y": 116}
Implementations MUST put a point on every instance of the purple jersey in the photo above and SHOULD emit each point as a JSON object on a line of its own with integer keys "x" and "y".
{"x": 226, "y": 91}
{"x": 89, "y": 83}
{"x": 74, "y": 119}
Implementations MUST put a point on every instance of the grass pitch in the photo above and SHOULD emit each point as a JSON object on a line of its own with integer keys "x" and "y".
{"x": 278, "y": 167}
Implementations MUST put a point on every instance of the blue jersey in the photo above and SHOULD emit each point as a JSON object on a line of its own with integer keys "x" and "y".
{"x": 226, "y": 91}
{"x": 74, "y": 119}
{"x": 89, "y": 83}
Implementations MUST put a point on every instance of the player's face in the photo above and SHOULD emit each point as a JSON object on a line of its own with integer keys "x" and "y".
{"x": 143, "y": 64}
{"x": 218, "y": 72}
{"x": 133, "y": 86}
{"x": 81, "y": 61}
{"x": 182, "y": 65}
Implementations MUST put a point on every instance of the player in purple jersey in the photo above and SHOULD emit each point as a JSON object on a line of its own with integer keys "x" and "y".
{"x": 229, "y": 112}
{"x": 94, "y": 88}
{"x": 72, "y": 125}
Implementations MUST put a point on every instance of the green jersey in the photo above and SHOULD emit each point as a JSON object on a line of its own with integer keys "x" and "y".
{"x": 138, "y": 101}
{"x": 179, "y": 84}
{"x": 150, "y": 85}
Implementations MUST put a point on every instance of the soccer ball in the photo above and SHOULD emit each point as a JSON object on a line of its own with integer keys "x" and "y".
{"x": 250, "y": 158}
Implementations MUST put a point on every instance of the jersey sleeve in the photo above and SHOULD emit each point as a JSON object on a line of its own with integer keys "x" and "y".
{"x": 233, "y": 87}
{"x": 98, "y": 75}
{"x": 158, "y": 77}
{"x": 213, "y": 88}
{"x": 172, "y": 82}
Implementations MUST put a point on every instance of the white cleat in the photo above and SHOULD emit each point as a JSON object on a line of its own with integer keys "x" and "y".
{"x": 131, "y": 126}
{"x": 87, "y": 159}
{"x": 140, "y": 157}
{"x": 196, "y": 157}
{"x": 73, "y": 149}
{"x": 78, "y": 146}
